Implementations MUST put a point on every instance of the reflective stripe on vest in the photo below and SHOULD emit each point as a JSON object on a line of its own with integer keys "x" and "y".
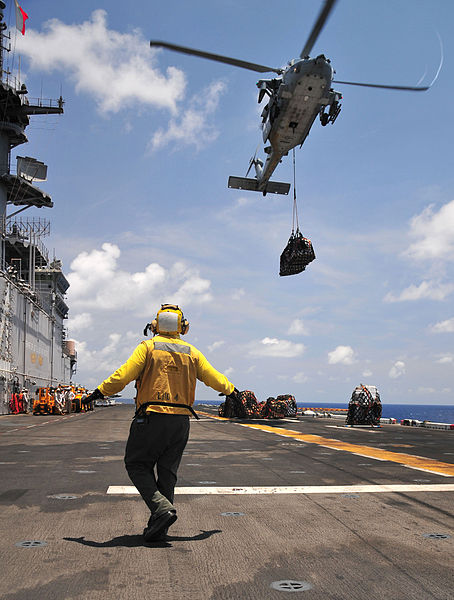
{"x": 168, "y": 347}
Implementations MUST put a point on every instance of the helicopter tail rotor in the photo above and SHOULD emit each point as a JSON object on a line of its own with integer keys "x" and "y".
{"x": 254, "y": 161}
{"x": 251, "y": 162}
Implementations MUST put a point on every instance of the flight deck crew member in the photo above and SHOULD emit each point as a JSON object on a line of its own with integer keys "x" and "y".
{"x": 165, "y": 369}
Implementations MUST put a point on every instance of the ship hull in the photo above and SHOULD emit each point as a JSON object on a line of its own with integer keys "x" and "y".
{"x": 32, "y": 351}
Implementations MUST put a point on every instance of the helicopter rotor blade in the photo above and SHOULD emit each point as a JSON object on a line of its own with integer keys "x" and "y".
{"x": 319, "y": 24}
{"x": 217, "y": 57}
{"x": 416, "y": 88}
{"x": 252, "y": 161}
{"x": 386, "y": 87}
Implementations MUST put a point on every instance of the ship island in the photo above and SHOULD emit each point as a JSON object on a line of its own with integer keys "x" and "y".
{"x": 34, "y": 350}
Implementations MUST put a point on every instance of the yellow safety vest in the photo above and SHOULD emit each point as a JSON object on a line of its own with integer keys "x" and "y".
{"x": 166, "y": 369}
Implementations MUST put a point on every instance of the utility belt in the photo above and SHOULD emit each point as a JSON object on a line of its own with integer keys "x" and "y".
{"x": 140, "y": 412}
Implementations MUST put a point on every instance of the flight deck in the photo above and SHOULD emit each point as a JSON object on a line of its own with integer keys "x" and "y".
{"x": 265, "y": 507}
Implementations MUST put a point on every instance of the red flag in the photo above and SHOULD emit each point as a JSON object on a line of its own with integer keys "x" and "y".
{"x": 21, "y": 17}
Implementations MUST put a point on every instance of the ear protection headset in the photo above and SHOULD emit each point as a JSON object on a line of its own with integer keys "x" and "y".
{"x": 170, "y": 319}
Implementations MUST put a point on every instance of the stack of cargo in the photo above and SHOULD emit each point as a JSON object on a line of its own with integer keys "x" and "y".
{"x": 364, "y": 407}
{"x": 245, "y": 406}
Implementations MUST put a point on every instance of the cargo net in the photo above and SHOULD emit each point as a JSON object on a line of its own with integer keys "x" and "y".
{"x": 246, "y": 406}
{"x": 296, "y": 255}
{"x": 364, "y": 407}
{"x": 298, "y": 252}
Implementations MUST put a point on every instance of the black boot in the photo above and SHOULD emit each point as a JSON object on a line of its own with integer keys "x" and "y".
{"x": 158, "y": 525}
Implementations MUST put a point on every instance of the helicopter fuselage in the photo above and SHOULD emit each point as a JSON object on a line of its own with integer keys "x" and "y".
{"x": 295, "y": 99}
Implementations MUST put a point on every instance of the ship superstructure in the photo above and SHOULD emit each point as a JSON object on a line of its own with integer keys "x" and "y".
{"x": 34, "y": 351}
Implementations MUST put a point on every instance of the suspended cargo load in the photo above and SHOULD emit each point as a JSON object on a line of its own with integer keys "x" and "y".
{"x": 296, "y": 255}
{"x": 299, "y": 252}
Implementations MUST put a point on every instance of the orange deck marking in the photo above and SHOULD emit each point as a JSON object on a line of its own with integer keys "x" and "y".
{"x": 409, "y": 460}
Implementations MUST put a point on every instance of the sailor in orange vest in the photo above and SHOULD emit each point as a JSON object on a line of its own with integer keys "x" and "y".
{"x": 165, "y": 369}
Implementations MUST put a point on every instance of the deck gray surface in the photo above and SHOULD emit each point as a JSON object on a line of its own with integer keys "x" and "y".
{"x": 363, "y": 546}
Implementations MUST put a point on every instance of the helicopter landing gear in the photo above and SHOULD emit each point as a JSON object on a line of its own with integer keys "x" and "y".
{"x": 334, "y": 111}
{"x": 334, "y": 108}
{"x": 331, "y": 116}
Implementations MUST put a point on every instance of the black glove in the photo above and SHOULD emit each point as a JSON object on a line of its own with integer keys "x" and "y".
{"x": 95, "y": 395}
{"x": 233, "y": 395}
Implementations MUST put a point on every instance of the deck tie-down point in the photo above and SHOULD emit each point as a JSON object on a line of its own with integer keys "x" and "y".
{"x": 291, "y": 585}
{"x": 31, "y": 544}
{"x": 232, "y": 514}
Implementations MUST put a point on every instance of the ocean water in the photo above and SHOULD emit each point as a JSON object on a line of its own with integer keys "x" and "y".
{"x": 437, "y": 413}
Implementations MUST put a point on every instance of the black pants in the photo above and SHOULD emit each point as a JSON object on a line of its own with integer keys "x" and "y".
{"x": 157, "y": 440}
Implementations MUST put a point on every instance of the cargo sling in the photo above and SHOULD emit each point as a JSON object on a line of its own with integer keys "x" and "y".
{"x": 298, "y": 252}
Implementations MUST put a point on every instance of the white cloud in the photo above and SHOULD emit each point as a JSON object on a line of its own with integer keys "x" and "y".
{"x": 446, "y": 359}
{"x": 97, "y": 283}
{"x": 229, "y": 371}
{"x": 80, "y": 321}
{"x": 397, "y": 370}
{"x": 444, "y": 326}
{"x": 192, "y": 126}
{"x": 344, "y": 355}
{"x": 300, "y": 378}
{"x": 367, "y": 373}
{"x": 107, "y": 359}
{"x": 434, "y": 233}
{"x": 426, "y": 290}
{"x": 244, "y": 201}
{"x": 216, "y": 345}
{"x": 115, "y": 68}
{"x": 273, "y": 347}
{"x": 297, "y": 327}
{"x": 238, "y": 294}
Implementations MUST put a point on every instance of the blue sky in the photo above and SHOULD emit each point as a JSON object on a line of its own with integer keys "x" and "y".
{"x": 138, "y": 169}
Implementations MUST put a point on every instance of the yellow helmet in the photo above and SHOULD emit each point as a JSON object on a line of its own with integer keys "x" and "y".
{"x": 170, "y": 320}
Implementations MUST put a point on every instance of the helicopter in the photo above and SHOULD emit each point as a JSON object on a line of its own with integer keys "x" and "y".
{"x": 301, "y": 91}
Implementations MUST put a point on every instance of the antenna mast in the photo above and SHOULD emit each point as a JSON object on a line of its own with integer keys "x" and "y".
{"x": 16, "y": 109}
{"x": 2, "y": 36}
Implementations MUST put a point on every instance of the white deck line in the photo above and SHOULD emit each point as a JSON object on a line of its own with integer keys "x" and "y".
{"x": 426, "y": 471}
{"x": 352, "y": 429}
{"x": 300, "y": 489}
